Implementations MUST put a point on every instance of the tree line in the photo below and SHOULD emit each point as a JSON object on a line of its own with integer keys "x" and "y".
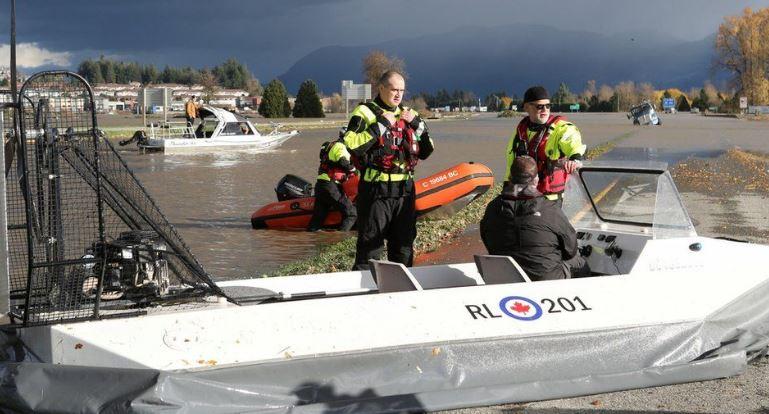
{"x": 594, "y": 98}
{"x": 229, "y": 74}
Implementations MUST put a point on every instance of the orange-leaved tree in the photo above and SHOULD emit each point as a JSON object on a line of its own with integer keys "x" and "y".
{"x": 742, "y": 49}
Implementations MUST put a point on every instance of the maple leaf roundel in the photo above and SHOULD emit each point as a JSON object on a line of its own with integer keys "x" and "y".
{"x": 520, "y": 308}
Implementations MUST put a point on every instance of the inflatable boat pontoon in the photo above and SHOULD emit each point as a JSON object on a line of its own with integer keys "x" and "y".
{"x": 439, "y": 195}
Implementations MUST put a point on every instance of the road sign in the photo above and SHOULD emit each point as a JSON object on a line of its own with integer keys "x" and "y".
{"x": 360, "y": 91}
{"x": 574, "y": 107}
{"x": 743, "y": 102}
{"x": 350, "y": 90}
{"x": 668, "y": 103}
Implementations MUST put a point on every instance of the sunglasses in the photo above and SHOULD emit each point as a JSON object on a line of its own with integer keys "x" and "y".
{"x": 543, "y": 106}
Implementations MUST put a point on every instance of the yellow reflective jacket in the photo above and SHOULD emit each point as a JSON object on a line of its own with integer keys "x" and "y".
{"x": 338, "y": 154}
{"x": 565, "y": 141}
{"x": 359, "y": 138}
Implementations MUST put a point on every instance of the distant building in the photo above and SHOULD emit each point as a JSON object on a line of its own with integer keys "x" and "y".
{"x": 5, "y": 75}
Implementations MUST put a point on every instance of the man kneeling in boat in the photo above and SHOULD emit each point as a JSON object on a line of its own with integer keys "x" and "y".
{"x": 521, "y": 223}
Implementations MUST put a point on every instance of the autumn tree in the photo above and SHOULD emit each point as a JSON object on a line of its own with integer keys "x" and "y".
{"x": 210, "y": 85}
{"x": 625, "y": 93}
{"x": 505, "y": 103}
{"x": 377, "y": 63}
{"x": 254, "y": 87}
{"x": 493, "y": 101}
{"x": 335, "y": 103}
{"x": 742, "y": 49}
{"x": 307, "y": 103}
{"x": 605, "y": 92}
{"x": 590, "y": 90}
{"x": 275, "y": 101}
{"x": 645, "y": 92}
{"x": 712, "y": 93}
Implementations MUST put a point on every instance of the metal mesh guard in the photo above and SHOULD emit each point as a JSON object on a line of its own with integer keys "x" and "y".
{"x": 70, "y": 193}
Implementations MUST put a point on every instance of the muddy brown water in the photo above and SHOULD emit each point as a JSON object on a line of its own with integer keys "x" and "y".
{"x": 209, "y": 197}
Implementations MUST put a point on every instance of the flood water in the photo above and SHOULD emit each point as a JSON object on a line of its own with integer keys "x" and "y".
{"x": 209, "y": 197}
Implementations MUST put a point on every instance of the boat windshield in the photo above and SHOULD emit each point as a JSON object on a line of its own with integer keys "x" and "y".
{"x": 623, "y": 198}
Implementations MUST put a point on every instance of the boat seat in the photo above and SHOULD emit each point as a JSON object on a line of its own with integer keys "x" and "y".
{"x": 497, "y": 270}
{"x": 392, "y": 277}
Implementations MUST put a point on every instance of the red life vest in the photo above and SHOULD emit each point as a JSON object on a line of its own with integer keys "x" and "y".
{"x": 332, "y": 169}
{"x": 397, "y": 150}
{"x": 551, "y": 180}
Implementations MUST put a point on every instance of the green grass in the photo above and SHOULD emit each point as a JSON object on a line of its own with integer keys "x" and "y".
{"x": 431, "y": 234}
{"x": 119, "y": 132}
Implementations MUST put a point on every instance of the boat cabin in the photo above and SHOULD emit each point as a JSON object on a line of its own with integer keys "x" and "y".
{"x": 220, "y": 122}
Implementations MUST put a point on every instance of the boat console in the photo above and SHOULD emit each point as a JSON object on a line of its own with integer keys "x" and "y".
{"x": 617, "y": 209}
{"x": 610, "y": 252}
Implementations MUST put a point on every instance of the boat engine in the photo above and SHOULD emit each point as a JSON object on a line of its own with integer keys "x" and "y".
{"x": 291, "y": 187}
{"x": 135, "y": 267}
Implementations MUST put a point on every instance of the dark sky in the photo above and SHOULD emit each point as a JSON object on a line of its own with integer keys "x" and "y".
{"x": 269, "y": 36}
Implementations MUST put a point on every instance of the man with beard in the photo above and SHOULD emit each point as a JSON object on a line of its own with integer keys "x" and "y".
{"x": 554, "y": 142}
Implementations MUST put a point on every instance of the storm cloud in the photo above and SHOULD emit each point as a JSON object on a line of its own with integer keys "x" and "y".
{"x": 270, "y": 36}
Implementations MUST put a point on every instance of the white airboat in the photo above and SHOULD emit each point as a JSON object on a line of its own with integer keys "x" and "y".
{"x": 664, "y": 306}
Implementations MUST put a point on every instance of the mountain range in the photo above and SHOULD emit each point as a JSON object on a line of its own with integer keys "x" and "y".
{"x": 511, "y": 58}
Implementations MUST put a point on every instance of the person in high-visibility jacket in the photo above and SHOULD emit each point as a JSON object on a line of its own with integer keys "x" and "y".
{"x": 553, "y": 141}
{"x": 335, "y": 168}
{"x": 387, "y": 139}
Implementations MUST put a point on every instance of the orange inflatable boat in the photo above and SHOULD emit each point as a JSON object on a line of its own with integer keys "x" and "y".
{"x": 437, "y": 196}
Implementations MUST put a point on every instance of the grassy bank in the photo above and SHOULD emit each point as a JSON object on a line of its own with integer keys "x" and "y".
{"x": 430, "y": 234}
{"x": 119, "y": 133}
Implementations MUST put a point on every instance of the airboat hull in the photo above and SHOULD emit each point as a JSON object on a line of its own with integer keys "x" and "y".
{"x": 456, "y": 343}
{"x": 668, "y": 306}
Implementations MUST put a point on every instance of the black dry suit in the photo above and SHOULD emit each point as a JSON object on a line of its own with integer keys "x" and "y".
{"x": 532, "y": 230}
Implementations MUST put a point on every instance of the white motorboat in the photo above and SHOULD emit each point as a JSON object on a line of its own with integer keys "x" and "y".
{"x": 218, "y": 129}
{"x": 665, "y": 306}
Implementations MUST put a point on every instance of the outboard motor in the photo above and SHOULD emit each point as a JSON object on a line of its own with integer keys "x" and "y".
{"x": 291, "y": 187}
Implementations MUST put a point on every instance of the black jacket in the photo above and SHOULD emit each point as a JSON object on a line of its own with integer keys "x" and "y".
{"x": 534, "y": 231}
